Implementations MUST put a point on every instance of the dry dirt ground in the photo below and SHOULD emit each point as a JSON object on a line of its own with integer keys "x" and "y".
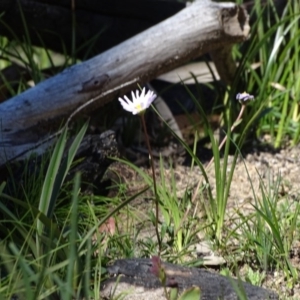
{"x": 278, "y": 172}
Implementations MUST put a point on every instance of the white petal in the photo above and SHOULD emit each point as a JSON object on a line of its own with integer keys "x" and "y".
{"x": 126, "y": 105}
{"x": 134, "y": 99}
{"x": 143, "y": 93}
{"x": 135, "y": 112}
{"x": 140, "y": 101}
{"x": 128, "y": 100}
{"x": 149, "y": 98}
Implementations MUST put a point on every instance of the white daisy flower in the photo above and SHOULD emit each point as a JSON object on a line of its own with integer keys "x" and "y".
{"x": 139, "y": 103}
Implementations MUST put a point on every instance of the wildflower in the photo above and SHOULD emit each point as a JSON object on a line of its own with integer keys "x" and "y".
{"x": 139, "y": 103}
{"x": 244, "y": 97}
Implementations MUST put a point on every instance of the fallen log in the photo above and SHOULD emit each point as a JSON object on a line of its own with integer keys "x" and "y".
{"x": 133, "y": 277}
{"x": 200, "y": 28}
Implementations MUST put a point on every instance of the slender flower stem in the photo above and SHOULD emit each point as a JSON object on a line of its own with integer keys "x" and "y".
{"x": 209, "y": 164}
{"x": 154, "y": 182}
{"x": 231, "y": 130}
{"x": 220, "y": 147}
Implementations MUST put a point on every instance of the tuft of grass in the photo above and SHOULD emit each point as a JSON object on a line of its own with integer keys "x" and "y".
{"x": 274, "y": 239}
{"x": 274, "y": 48}
{"x": 266, "y": 236}
{"x": 50, "y": 259}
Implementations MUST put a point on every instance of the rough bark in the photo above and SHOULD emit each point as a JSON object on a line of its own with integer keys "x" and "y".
{"x": 202, "y": 27}
{"x": 133, "y": 277}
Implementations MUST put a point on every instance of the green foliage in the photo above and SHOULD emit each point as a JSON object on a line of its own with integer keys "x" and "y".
{"x": 61, "y": 260}
{"x": 217, "y": 205}
{"x": 255, "y": 277}
{"x": 47, "y": 260}
{"x": 273, "y": 48}
{"x": 272, "y": 237}
{"x": 267, "y": 235}
{"x": 192, "y": 293}
{"x": 177, "y": 230}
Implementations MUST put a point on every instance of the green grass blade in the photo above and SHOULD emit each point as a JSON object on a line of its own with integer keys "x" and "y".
{"x": 47, "y": 189}
{"x": 71, "y": 281}
{"x": 65, "y": 167}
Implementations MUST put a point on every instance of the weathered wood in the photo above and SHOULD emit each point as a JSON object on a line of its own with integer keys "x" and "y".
{"x": 202, "y": 27}
{"x": 139, "y": 283}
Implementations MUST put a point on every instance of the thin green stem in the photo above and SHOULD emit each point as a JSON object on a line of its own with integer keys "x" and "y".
{"x": 220, "y": 147}
{"x": 231, "y": 130}
{"x": 154, "y": 181}
{"x": 209, "y": 164}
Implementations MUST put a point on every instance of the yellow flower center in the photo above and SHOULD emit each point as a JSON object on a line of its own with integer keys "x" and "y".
{"x": 138, "y": 107}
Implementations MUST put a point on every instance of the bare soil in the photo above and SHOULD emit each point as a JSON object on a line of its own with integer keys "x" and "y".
{"x": 276, "y": 173}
